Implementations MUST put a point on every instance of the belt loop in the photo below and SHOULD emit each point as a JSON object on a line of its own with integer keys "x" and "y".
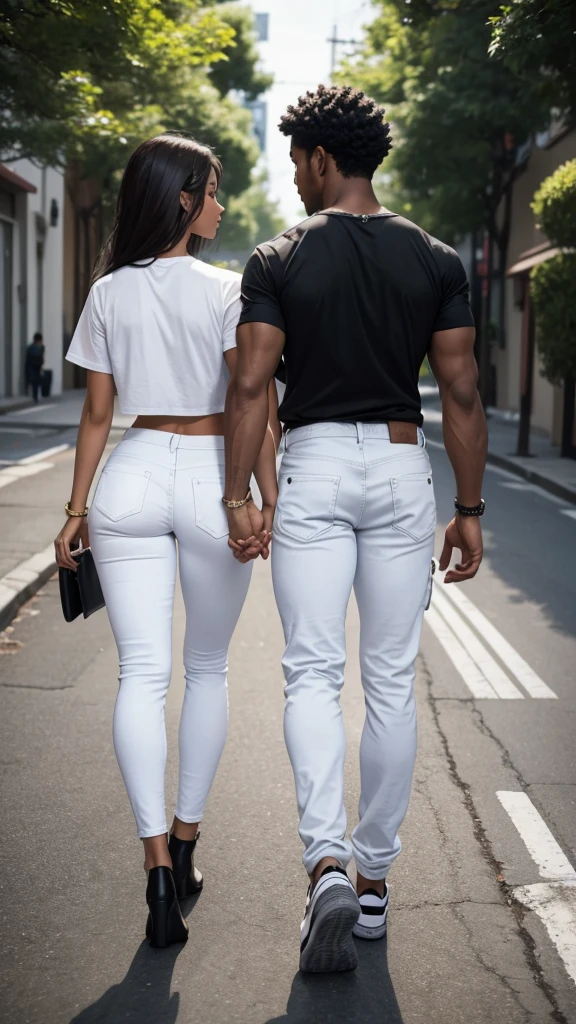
{"x": 422, "y": 437}
{"x": 286, "y": 443}
{"x": 174, "y": 442}
{"x": 360, "y": 433}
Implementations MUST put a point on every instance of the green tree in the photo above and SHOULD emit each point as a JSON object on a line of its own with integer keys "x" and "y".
{"x": 552, "y": 291}
{"x": 458, "y": 118}
{"x": 537, "y": 40}
{"x": 75, "y": 68}
{"x": 85, "y": 82}
{"x": 457, "y": 115}
{"x": 555, "y": 205}
{"x": 552, "y": 282}
{"x": 239, "y": 70}
{"x": 250, "y": 218}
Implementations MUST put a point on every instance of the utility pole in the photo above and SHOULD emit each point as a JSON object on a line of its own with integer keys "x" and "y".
{"x": 334, "y": 41}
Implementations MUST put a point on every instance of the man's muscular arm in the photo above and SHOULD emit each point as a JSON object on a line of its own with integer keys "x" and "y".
{"x": 453, "y": 364}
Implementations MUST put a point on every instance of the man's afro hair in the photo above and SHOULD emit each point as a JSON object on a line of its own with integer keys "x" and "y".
{"x": 346, "y": 123}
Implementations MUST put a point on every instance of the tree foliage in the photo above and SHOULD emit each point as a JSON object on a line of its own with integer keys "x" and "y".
{"x": 554, "y": 298}
{"x": 457, "y": 115}
{"x": 250, "y": 218}
{"x": 86, "y": 82}
{"x": 537, "y": 40}
{"x": 552, "y": 283}
{"x": 238, "y": 70}
{"x": 555, "y": 205}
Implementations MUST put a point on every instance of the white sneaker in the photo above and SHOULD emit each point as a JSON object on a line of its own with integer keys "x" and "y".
{"x": 332, "y": 909}
{"x": 373, "y": 918}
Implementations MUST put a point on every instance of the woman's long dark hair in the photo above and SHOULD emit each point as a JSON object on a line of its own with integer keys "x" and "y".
{"x": 150, "y": 219}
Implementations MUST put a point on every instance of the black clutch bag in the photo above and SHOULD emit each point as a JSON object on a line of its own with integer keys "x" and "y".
{"x": 80, "y": 591}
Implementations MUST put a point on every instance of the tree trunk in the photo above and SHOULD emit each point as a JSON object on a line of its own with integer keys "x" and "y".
{"x": 568, "y": 449}
{"x": 484, "y": 347}
{"x": 526, "y": 373}
{"x": 503, "y": 240}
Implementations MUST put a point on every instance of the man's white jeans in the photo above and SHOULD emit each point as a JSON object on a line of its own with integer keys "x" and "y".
{"x": 354, "y": 510}
{"x": 158, "y": 489}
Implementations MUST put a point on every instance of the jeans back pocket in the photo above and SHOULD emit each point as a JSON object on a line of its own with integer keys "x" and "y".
{"x": 414, "y": 505}
{"x": 121, "y": 492}
{"x": 306, "y": 505}
{"x": 210, "y": 514}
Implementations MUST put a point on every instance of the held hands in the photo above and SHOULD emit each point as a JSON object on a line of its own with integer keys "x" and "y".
{"x": 464, "y": 533}
{"x": 250, "y": 531}
{"x": 75, "y": 529}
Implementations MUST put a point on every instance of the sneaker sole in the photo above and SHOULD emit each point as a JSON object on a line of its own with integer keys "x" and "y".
{"x": 362, "y": 931}
{"x": 330, "y": 946}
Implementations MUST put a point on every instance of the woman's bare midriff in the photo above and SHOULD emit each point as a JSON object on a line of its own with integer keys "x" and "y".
{"x": 199, "y": 425}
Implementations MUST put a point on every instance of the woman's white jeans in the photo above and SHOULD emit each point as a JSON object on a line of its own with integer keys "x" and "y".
{"x": 157, "y": 491}
{"x": 354, "y": 511}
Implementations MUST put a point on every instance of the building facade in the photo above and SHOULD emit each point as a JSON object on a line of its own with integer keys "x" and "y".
{"x": 528, "y": 246}
{"x": 31, "y": 264}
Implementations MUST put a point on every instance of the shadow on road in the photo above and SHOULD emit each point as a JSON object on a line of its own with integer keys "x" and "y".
{"x": 144, "y": 994}
{"x": 366, "y": 994}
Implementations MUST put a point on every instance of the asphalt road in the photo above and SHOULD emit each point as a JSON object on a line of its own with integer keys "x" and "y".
{"x": 463, "y": 947}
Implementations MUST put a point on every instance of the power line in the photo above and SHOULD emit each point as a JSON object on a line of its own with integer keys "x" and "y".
{"x": 337, "y": 42}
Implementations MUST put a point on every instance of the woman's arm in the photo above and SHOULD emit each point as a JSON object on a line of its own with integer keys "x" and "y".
{"x": 93, "y": 434}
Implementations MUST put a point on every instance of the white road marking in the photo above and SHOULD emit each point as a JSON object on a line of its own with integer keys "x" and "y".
{"x": 17, "y": 472}
{"x": 43, "y": 455}
{"x": 551, "y": 861}
{"x": 496, "y": 677}
{"x": 554, "y": 900}
{"x": 569, "y": 512}
{"x": 519, "y": 485}
{"x": 516, "y": 482}
{"x": 555, "y": 904}
{"x": 475, "y": 680}
{"x": 31, "y": 410}
{"x": 508, "y": 655}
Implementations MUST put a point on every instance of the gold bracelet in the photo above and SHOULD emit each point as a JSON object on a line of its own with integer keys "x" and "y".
{"x": 75, "y": 515}
{"x": 238, "y": 504}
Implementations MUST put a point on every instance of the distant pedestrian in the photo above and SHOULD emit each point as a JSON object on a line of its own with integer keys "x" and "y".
{"x": 34, "y": 365}
{"x": 353, "y": 299}
{"x": 161, "y": 326}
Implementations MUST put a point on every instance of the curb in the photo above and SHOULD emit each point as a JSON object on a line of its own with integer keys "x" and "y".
{"x": 6, "y": 422}
{"x": 25, "y": 580}
{"x": 6, "y": 410}
{"x": 557, "y": 489}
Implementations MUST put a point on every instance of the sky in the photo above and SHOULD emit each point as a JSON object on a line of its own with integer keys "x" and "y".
{"x": 299, "y": 56}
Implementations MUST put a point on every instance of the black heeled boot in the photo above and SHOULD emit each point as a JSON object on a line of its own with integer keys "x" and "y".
{"x": 165, "y": 922}
{"x": 187, "y": 878}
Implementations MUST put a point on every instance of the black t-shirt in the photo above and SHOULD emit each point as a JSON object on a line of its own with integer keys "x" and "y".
{"x": 358, "y": 298}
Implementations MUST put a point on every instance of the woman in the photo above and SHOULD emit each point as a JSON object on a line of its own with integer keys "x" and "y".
{"x": 159, "y": 325}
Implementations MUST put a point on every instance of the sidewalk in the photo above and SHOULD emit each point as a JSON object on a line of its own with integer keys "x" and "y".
{"x": 61, "y": 412}
{"x": 544, "y": 468}
{"x": 32, "y": 497}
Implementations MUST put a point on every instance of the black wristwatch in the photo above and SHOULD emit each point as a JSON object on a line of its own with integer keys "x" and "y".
{"x": 470, "y": 510}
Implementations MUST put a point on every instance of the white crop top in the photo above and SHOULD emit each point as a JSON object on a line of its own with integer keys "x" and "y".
{"x": 161, "y": 331}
